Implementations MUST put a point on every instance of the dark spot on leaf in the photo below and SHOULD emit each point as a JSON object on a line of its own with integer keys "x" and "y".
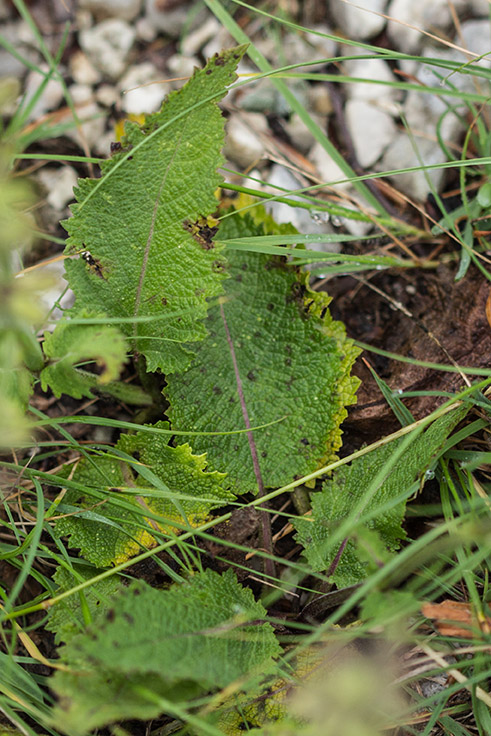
{"x": 257, "y": 334}
{"x": 208, "y": 71}
{"x": 304, "y": 441}
{"x": 218, "y": 266}
{"x": 202, "y": 232}
{"x": 163, "y": 301}
{"x": 136, "y": 591}
{"x": 244, "y": 267}
{"x": 236, "y": 448}
{"x": 239, "y": 277}
{"x": 217, "y": 390}
{"x": 251, "y": 376}
{"x": 296, "y": 294}
{"x": 110, "y": 615}
{"x": 115, "y": 146}
{"x": 288, "y": 361}
{"x": 264, "y": 454}
{"x": 219, "y": 61}
{"x": 202, "y": 369}
{"x": 270, "y": 307}
{"x": 231, "y": 400}
{"x": 129, "y": 618}
{"x": 288, "y": 349}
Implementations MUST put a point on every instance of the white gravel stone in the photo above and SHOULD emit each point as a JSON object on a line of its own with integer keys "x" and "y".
{"x": 172, "y": 22}
{"x": 301, "y": 219}
{"x": 328, "y": 169}
{"x": 89, "y": 113}
{"x": 142, "y": 99}
{"x": 371, "y": 130}
{"x": 145, "y": 31}
{"x": 326, "y": 47}
{"x": 58, "y": 184}
{"x": 476, "y": 37}
{"x": 124, "y": 9}
{"x": 357, "y": 22}
{"x": 401, "y": 154}
{"x": 409, "y": 17}
{"x": 107, "y": 45}
{"x": 82, "y": 71}
{"x": 300, "y": 136}
{"x": 263, "y": 97}
{"x": 195, "y": 41}
{"x": 53, "y": 274}
{"x": 51, "y": 97}
{"x": 222, "y": 40}
{"x": 102, "y": 146}
{"x": 243, "y": 143}
{"x": 107, "y": 95}
{"x": 480, "y": 8}
{"x": 319, "y": 99}
{"x": 182, "y": 66}
{"x": 373, "y": 70}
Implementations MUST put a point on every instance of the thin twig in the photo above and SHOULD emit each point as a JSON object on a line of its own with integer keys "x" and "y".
{"x": 267, "y": 539}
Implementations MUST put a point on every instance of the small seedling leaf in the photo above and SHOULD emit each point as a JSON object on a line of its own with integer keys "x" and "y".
{"x": 72, "y": 344}
{"x": 382, "y": 534}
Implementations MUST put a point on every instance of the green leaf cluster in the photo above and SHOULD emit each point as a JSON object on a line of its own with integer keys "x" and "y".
{"x": 142, "y": 488}
{"x": 152, "y": 646}
{"x": 377, "y": 512}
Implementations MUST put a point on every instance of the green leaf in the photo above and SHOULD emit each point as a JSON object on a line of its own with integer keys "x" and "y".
{"x": 170, "y": 485}
{"x": 294, "y": 363}
{"x": 66, "y": 618}
{"x": 382, "y": 534}
{"x": 484, "y": 195}
{"x": 142, "y": 230}
{"x": 72, "y": 344}
{"x": 207, "y": 631}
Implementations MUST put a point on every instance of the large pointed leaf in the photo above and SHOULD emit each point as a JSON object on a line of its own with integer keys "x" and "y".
{"x": 137, "y": 230}
{"x": 169, "y": 482}
{"x": 347, "y": 487}
{"x": 209, "y": 631}
{"x": 294, "y": 363}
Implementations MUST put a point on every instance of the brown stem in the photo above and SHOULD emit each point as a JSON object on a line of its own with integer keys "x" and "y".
{"x": 335, "y": 562}
{"x": 267, "y": 537}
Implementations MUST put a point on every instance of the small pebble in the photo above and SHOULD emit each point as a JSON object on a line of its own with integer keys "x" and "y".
{"x": 58, "y": 184}
{"x": 319, "y": 99}
{"x": 243, "y": 144}
{"x": 137, "y": 95}
{"x": 195, "y": 41}
{"x": 124, "y": 9}
{"x": 51, "y": 97}
{"x": 172, "y": 22}
{"x": 107, "y": 46}
{"x": 91, "y": 115}
{"x": 371, "y": 129}
{"x": 82, "y": 71}
{"x": 327, "y": 168}
{"x": 299, "y": 134}
{"x": 361, "y": 22}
